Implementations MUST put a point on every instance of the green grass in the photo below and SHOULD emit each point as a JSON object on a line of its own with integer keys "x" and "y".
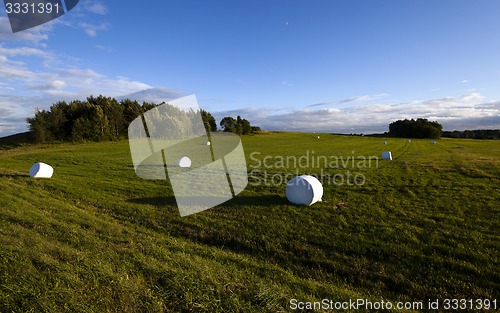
{"x": 97, "y": 238}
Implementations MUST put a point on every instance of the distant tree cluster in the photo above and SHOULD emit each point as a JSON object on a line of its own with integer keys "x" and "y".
{"x": 96, "y": 119}
{"x": 104, "y": 118}
{"x": 474, "y": 134}
{"x": 238, "y": 126}
{"x": 419, "y": 128}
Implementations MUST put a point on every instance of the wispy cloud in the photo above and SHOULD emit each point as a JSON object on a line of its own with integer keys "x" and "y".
{"x": 13, "y": 113}
{"x": 33, "y": 35}
{"x": 153, "y": 95}
{"x": 95, "y": 7}
{"x": 470, "y": 111}
{"x": 87, "y": 17}
{"x": 33, "y": 75}
{"x": 364, "y": 98}
{"x": 80, "y": 17}
{"x": 22, "y": 51}
{"x": 15, "y": 109}
{"x": 23, "y": 89}
{"x": 92, "y": 29}
{"x": 103, "y": 48}
{"x": 51, "y": 85}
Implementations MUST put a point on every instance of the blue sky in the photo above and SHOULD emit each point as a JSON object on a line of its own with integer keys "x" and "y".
{"x": 333, "y": 66}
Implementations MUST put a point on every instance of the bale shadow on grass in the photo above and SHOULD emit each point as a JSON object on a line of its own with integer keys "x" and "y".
{"x": 13, "y": 175}
{"x": 239, "y": 201}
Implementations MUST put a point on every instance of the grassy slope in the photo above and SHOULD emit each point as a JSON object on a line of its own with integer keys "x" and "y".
{"x": 13, "y": 141}
{"x": 98, "y": 238}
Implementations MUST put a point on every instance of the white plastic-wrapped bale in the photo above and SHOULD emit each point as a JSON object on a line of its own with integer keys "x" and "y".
{"x": 304, "y": 190}
{"x": 184, "y": 162}
{"x": 41, "y": 170}
{"x": 208, "y": 143}
{"x": 387, "y": 155}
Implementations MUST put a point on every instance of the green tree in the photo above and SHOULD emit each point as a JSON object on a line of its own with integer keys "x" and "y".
{"x": 419, "y": 128}
{"x": 246, "y": 128}
{"x": 104, "y": 118}
{"x": 228, "y": 124}
{"x": 208, "y": 121}
{"x": 39, "y": 126}
{"x": 57, "y": 120}
{"x": 91, "y": 125}
{"x": 131, "y": 110}
{"x": 238, "y": 126}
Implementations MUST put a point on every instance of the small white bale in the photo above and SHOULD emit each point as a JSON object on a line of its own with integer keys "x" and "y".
{"x": 41, "y": 170}
{"x": 385, "y": 142}
{"x": 208, "y": 143}
{"x": 318, "y": 137}
{"x": 184, "y": 162}
{"x": 387, "y": 155}
{"x": 304, "y": 190}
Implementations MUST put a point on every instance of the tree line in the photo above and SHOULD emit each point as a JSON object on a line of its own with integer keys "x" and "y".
{"x": 419, "y": 128}
{"x": 474, "y": 134}
{"x": 105, "y": 118}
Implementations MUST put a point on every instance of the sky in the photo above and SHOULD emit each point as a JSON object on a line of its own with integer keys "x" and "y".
{"x": 350, "y": 66}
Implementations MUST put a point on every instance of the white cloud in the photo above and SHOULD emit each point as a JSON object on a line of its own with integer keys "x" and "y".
{"x": 4, "y": 86}
{"x": 15, "y": 109}
{"x": 10, "y": 72}
{"x": 22, "y": 51}
{"x": 33, "y": 35}
{"x": 58, "y": 84}
{"x": 465, "y": 81}
{"x": 469, "y": 111}
{"x": 472, "y": 96}
{"x": 49, "y": 85}
{"x": 153, "y": 95}
{"x": 45, "y": 86}
{"x": 92, "y": 29}
{"x": 96, "y": 7}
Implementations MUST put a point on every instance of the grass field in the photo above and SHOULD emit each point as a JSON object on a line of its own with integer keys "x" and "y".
{"x": 97, "y": 238}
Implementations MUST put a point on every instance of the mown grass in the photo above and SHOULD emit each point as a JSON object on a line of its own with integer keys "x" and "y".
{"x": 97, "y": 238}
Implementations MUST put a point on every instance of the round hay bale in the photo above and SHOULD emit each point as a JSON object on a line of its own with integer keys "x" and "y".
{"x": 41, "y": 170}
{"x": 304, "y": 190}
{"x": 387, "y": 155}
{"x": 184, "y": 162}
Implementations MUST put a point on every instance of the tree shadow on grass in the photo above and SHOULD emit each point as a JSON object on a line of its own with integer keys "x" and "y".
{"x": 239, "y": 201}
{"x": 155, "y": 201}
